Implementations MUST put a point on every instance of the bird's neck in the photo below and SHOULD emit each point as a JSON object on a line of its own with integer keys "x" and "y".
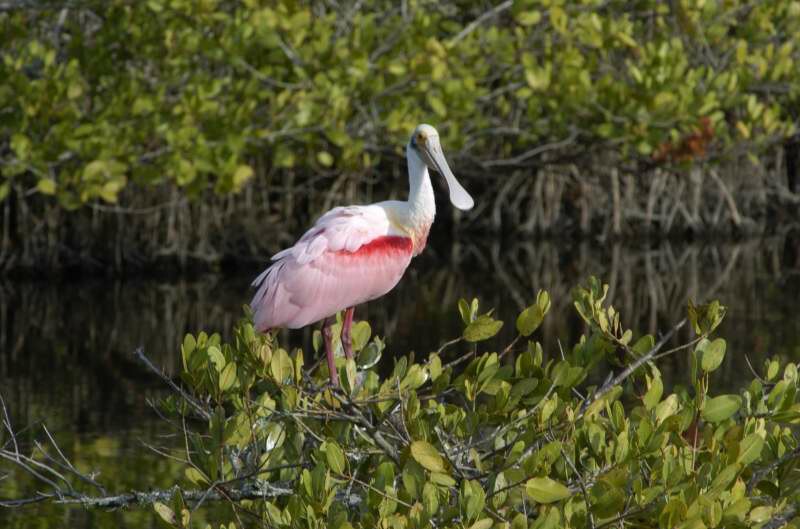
{"x": 421, "y": 204}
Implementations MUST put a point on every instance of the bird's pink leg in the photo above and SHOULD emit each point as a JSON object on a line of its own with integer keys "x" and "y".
{"x": 327, "y": 335}
{"x": 347, "y": 340}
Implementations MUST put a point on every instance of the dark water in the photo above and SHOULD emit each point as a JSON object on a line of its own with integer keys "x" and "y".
{"x": 65, "y": 347}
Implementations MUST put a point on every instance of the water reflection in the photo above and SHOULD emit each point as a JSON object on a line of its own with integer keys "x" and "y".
{"x": 65, "y": 354}
{"x": 66, "y": 346}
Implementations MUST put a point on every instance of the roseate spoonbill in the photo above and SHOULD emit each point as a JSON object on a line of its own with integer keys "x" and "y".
{"x": 354, "y": 254}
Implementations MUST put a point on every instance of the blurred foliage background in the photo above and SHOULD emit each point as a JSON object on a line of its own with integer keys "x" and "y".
{"x": 197, "y": 130}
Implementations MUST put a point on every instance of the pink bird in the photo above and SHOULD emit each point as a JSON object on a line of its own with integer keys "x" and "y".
{"x": 354, "y": 254}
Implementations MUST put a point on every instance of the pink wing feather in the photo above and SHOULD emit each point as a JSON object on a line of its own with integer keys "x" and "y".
{"x": 350, "y": 256}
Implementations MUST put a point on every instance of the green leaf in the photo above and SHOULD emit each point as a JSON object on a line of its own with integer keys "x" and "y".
{"x": 21, "y": 145}
{"x": 482, "y": 328}
{"x": 335, "y": 457}
{"x": 360, "y": 334}
{"x": 672, "y": 513}
{"x": 655, "y": 389}
{"x": 772, "y": 369}
{"x": 351, "y": 374}
{"x": 434, "y": 366}
{"x": 519, "y": 522}
{"x": 369, "y": 356}
{"x": 538, "y": 78}
{"x": 546, "y": 490}
{"x": 524, "y": 387}
{"x": 95, "y": 170}
{"x": 179, "y": 506}
{"x": 550, "y": 519}
{"x": 188, "y": 347}
{"x": 281, "y": 366}
{"x": 241, "y": 175}
{"x": 430, "y": 499}
{"x": 529, "y": 320}
{"x": 437, "y": 105}
{"x": 216, "y": 357}
{"x": 529, "y": 18}
{"x": 750, "y": 449}
{"x": 762, "y": 514}
{"x": 667, "y": 408}
{"x": 440, "y": 478}
{"x": 499, "y": 489}
{"x": 720, "y": 408}
{"x": 325, "y": 158}
{"x": 712, "y": 354}
{"x": 195, "y": 476}
{"x": 416, "y": 377}
{"x": 74, "y": 90}
{"x": 607, "y": 499}
{"x": 543, "y": 301}
{"x": 413, "y": 477}
{"x": 472, "y": 499}
{"x": 228, "y": 377}
{"x": 426, "y": 455}
{"x": 166, "y": 514}
{"x": 46, "y": 186}
{"x": 559, "y": 19}
{"x": 705, "y": 318}
{"x": 643, "y": 345}
{"x": 723, "y": 480}
{"x": 466, "y": 312}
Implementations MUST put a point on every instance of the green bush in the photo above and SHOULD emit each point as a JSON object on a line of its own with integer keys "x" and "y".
{"x": 559, "y": 116}
{"x": 465, "y": 437}
{"x": 519, "y": 438}
{"x": 96, "y": 95}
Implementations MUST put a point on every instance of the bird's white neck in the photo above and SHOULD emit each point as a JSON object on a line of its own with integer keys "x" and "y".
{"x": 421, "y": 204}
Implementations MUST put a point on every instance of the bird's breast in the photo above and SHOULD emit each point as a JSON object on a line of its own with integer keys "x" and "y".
{"x": 415, "y": 227}
{"x": 385, "y": 246}
{"x": 420, "y": 239}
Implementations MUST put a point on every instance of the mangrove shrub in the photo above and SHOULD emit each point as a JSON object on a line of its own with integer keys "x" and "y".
{"x": 148, "y": 102}
{"x": 477, "y": 435}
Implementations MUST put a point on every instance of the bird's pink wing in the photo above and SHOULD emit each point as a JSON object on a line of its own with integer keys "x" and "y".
{"x": 350, "y": 256}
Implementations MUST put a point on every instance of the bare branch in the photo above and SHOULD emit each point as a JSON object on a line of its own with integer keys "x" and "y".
{"x": 764, "y": 472}
{"x": 630, "y": 369}
{"x": 472, "y": 26}
{"x": 247, "y": 491}
{"x": 536, "y": 151}
{"x": 139, "y": 354}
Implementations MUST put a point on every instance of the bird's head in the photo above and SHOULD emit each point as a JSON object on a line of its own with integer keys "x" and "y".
{"x": 425, "y": 144}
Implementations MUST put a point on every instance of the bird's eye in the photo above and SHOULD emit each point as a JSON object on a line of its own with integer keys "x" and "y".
{"x": 420, "y": 136}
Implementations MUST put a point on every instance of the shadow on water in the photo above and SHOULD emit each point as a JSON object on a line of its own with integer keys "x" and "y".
{"x": 65, "y": 354}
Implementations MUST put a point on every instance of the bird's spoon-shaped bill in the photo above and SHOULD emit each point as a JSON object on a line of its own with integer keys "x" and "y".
{"x": 434, "y": 157}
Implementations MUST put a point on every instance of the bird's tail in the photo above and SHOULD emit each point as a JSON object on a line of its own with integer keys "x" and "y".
{"x": 265, "y": 300}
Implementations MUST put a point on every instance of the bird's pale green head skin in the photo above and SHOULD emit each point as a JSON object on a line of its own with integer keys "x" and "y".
{"x": 425, "y": 142}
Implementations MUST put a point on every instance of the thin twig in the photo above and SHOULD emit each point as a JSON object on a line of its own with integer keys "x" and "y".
{"x": 761, "y": 473}
{"x": 373, "y": 432}
{"x": 139, "y": 354}
{"x": 68, "y": 465}
{"x": 630, "y": 369}
{"x": 249, "y": 491}
{"x": 472, "y": 26}
{"x": 536, "y": 151}
{"x": 581, "y": 484}
{"x": 7, "y": 424}
{"x": 448, "y": 344}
